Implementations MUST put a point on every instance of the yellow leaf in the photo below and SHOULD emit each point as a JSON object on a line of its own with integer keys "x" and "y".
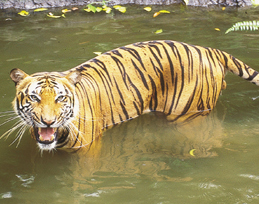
{"x": 63, "y": 15}
{"x": 148, "y": 8}
{"x": 107, "y": 9}
{"x": 158, "y": 31}
{"x": 65, "y": 10}
{"x": 192, "y": 152}
{"x": 24, "y": 13}
{"x": 40, "y": 9}
{"x": 217, "y": 29}
{"x": 98, "y": 53}
{"x": 87, "y": 10}
{"x": 122, "y": 9}
{"x": 164, "y": 11}
{"x": 51, "y": 15}
{"x": 156, "y": 14}
{"x": 99, "y": 9}
{"x": 223, "y": 8}
{"x": 116, "y": 6}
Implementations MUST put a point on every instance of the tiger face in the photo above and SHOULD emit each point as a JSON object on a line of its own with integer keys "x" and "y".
{"x": 46, "y": 103}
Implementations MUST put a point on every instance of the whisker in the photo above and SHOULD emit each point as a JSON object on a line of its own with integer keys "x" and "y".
{"x": 9, "y": 132}
{"x": 7, "y": 114}
{"x": 9, "y": 120}
{"x": 73, "y": 130}
{"x": 19, "y": 135}
{"x": 10, "y": 111}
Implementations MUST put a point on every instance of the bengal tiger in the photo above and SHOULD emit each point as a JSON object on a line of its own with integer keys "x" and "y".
{"x": 71, "y": 109}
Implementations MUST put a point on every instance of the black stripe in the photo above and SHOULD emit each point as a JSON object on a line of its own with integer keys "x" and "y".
{"x": 251, "y": 77}
{"x": 166, "y": 98}
{"x": 140, "y": 99}
{"x": 136, "y": 107}
{"x": 118, "y": 89}
{"x": 101, "y": 65}
{"x": 122, "y": 70}
{"x": 174, "y": 95}
{"x": 116, "y": 52}
{"x": 190, "y": 100}
{"x": 182, "y": 76}
{"x": 102, "y": 77}
{"x": 135, "y": 54}
{"x": 154, "y": 95}
{"x": 141, "y": 75}
{"x": 124, "y": 110}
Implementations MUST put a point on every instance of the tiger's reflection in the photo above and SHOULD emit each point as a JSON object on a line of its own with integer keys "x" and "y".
{"x": 146, "y": 144}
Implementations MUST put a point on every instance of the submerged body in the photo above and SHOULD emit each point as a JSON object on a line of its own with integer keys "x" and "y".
{"x": 71, "y": 109}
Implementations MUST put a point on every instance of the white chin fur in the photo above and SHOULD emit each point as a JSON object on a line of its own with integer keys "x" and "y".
{"x": 48, "y": 147}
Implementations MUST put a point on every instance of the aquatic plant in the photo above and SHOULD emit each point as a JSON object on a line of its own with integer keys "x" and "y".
{"x": 244, "y": 26}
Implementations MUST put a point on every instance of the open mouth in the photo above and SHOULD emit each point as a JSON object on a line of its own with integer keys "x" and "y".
{"x": 46, "y": 135}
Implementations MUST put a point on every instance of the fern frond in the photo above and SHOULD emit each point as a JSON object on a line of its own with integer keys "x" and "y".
{"x": 245, "y": 25}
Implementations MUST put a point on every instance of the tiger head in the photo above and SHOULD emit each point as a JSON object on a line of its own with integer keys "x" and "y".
{"x": 46, "y": 103}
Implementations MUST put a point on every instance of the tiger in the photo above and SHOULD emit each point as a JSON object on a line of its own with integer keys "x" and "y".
{"x": 70, "y": 109}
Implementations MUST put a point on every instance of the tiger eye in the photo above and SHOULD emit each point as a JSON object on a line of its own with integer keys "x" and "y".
{"x": 34, "y": 98}
{"x": 61, "y": 98}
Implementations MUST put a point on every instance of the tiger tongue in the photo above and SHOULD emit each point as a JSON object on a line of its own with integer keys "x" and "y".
{"x": 46, "y": 134}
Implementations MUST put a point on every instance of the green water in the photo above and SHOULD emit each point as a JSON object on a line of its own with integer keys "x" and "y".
{"x": 145, "y": 160}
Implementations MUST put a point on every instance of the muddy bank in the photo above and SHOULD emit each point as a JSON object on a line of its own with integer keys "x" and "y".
{"x": 32, "y": 4}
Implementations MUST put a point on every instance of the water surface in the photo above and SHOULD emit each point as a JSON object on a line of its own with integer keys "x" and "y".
{"x": 145, "y": 160}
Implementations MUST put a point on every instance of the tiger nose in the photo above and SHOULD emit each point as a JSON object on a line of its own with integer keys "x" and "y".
{"x": 48, "y": 122}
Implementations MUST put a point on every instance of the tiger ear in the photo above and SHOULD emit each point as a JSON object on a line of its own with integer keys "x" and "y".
{"x": 74, "y": 76}
{"x": 17, "y": 75}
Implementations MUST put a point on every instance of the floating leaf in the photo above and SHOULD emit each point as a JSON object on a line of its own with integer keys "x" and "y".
{"x": 107, "y": 9}
{"x": 99, "y": 9}
{"x": 164, "y": 11}
{"x": 40, "y": 9}
{"x": 223, "y": 8}
{"x": 74, "y": 8}
{"x": 63, "y": 15}
{"x": 51, "y": 15}
{"x": 245, "y": 25}
{"x": 148, "y": 8}
{"x": 192, "y": 152}
{"x": 217, "y": 29}
{"x": 98, "y": 53}
{"x": 122, "y": 9}
{"x": 156, "y": 14}
{"x": 66, "y": 10}
{"x": 158, "y": 31}
{"x": 24, "y": 13}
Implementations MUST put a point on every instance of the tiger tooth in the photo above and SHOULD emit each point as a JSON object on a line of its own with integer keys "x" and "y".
{"x": 40, "y": 138}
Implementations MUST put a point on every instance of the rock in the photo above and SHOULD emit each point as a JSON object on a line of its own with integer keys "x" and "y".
{"x": 32, "y": 4}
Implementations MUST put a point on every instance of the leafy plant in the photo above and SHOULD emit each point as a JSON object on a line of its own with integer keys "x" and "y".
{"x": 107, "y": 9}
{"x": 243, "y": 26}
